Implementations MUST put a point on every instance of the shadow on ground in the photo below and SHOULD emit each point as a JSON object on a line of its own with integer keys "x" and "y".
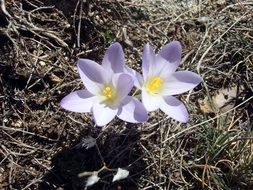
{"x": 117, "y": 150}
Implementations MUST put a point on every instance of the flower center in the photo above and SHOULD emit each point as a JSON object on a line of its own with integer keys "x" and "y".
{"x": 154, "y": 85}
{"x": 108, "y": 93}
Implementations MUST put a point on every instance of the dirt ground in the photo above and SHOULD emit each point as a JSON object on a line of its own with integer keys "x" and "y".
{"x": 45, "y": 147}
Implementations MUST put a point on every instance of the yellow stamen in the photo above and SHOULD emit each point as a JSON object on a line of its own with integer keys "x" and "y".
{"x": 154, "y": 85}
{"x": 108, "y": 93}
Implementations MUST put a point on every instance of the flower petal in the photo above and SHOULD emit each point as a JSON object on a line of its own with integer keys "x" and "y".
{"x": 137, "y": 77}
{"x": 123, "y": 84}
{"x": 103, "y": 114}
{"x": 138, "y": 82}
{"x": 78, "y": 101}
{"x": 161, "y": 67}
{"x": 92, "y": 70}
{"x": 148, "y": 58}
{"x": 180, "y": 82}
{"x": 92, "y": 74}
{"x": 114, "y": 58}
{"x": 132, "y": 111}
{"x": 175, "y": 109}
{"x": 150, "y": 102}
{"x": 172, "y": 52}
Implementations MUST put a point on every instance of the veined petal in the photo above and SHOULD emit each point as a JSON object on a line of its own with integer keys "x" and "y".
{"x": 114, "y": 58}
{"x": 180, "y": 82}
{"x": 148, "y": 58}
{"x": 93, "y": 75}
{"x": 103, "y": 114}
{"x": 132, "y": 111}
{"x": 150, "y": 102}
{"x": 138, "y": 79}
{"x": 161, "y": 67}
{"x": 92, "y": 70}
{"x": 172, "y": 52}
{"x": 175, "y": 109}
{"x": 78, "y": 101}
{"x": 123, "y": 84}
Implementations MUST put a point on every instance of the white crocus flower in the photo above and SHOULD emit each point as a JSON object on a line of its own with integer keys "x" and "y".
{"x": 159, "y": 80}
{"x": 107, "y": 89}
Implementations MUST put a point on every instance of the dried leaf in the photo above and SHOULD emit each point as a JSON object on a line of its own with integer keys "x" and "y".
{"x": 121, "y": 174}
{"x": 87, "y": 142}
{"x": 222, "y": 101}
{"x": 205, "y": 105}
{"x": 92, "y": 180}
{"x": 55, "y": 78}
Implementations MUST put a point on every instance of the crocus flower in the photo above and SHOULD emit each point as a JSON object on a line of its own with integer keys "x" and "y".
{"x": 107, "y": 88}
{"x": 160, "y": 80}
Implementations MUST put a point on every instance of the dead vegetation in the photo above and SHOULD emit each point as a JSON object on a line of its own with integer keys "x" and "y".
{"x": 45, "y": 147}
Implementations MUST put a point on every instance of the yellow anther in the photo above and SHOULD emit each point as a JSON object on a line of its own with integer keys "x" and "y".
{"x": 154, "y": 85}
{"x": 108, "y": 93}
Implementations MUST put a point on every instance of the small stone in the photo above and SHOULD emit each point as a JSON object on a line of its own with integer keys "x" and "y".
{"x": 42, "y": 63}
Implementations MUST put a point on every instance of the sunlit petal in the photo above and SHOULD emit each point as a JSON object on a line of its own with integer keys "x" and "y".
{"x": 123, "y": 84}
{"x": 103, "y": 114}
{"x": 138, "y": 79}
{"x": 151, "y": 102}
{"x": 180, "y": 82}
{"x": 78, "y": 101}
{"x": 148, "y": 58}
{"x": 172, "y": 52}
{"x": 132, "y": 111}
{"x": 92, "y": 74}
{"x": 161, "y": 67}
{"x": 114, "y": 58}
{"x": 175, "y": 109}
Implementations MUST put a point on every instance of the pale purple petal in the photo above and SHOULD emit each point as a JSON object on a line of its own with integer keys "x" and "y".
{"x": 123, "y": 84}
{"x": 172, "y": 52}
{"x": 175, "y": 109}
{"x": 91, "y": 70}
{"x": 180, "y": 82}
{"x": 103, "y": 114}
{"x": 148, "y": 58}
{"x": 132, "y": 111}
{"x": 138, "y": 79}
{"x": 161, "y": 67}
{"x": 92, "y": 74}
{"x": 78, "y": 101}
{"x": 114, "y": 58}
{"x": 150, "y": 102}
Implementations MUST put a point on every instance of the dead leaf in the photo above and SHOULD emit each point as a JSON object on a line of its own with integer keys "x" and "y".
{"x": 205, "y": 105}
{"x": 121, "y": 174}
{"x": 55, "y": 78}
{"x": 92, "y": 180}
{"x": 222, "y": 101}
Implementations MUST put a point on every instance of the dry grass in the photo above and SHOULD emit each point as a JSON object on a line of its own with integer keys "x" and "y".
{"x": 45, "y": 147}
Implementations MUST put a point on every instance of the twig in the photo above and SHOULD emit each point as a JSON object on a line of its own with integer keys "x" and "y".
{"x": 3, "y": 9}
{"x": 217, "y": 40}
{"x": 35, "y": 29}
{"x": 79, "y": 23}
{"x": 211, "y": 119}
{"x": 27, "y": 132}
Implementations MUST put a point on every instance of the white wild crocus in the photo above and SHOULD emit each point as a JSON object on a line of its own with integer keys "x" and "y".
{"x": 160, "y": 80}
{"x": 107, "y": 89}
